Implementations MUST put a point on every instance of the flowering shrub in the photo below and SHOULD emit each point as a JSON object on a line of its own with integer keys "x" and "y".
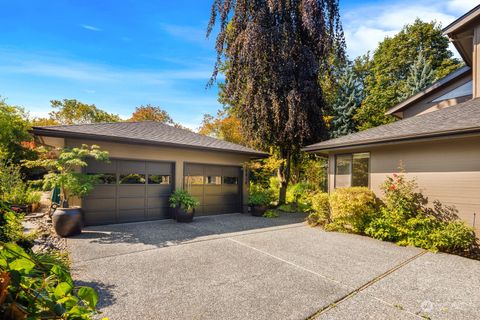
{"x": 406, "y": 219}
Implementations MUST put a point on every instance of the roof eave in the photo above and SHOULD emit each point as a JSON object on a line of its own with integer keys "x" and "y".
{"x": 375, "y": 142}
{"x": 62, "y": 134}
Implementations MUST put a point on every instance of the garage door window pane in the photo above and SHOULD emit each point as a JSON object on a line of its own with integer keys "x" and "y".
{"x": 214, "y": 180}
{"x": 194, "y": 180}
{"x": 343, "y": 170}
{"x": 230, "y": 180}
{"x": 132, "y": 178}
{"x": 105, "y": 178}
{"x": 360, "y": 169}
{"x": 158, "y": 179}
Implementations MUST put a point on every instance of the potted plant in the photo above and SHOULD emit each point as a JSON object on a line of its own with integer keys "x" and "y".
{"x": 184, "y": 205}
{"x": 259, "y": 199}
{"x": 64, "y": 171}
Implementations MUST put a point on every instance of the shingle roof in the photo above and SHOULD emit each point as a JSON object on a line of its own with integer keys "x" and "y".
{"x": 462, "y": 118}
{"x": 147, "y": 132}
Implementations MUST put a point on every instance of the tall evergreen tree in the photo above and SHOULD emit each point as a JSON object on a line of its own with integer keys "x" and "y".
{"x": 276, "y": 52}
{"x": 420, "y": 77}
{"x": 349, "y": 98}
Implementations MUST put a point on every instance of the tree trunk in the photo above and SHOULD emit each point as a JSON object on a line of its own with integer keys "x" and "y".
{"x": 283, "y": 174}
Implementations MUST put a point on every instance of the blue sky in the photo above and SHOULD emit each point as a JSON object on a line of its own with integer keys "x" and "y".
{"x": 121, "y": 54}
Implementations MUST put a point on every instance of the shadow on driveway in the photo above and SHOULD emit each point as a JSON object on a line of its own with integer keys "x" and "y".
{"x": 131, "y": 237}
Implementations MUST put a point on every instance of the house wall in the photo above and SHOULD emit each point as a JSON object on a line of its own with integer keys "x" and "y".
{"x": 426, "y": 104}
{"x": 446, "y": 170}
{"x": 158, "y": 153}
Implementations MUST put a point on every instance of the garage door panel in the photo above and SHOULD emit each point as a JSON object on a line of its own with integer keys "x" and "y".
{"x": 159, "y": 213}
{"x": 131, "y": 215}
{"x": 213, "y": 171}
{"x": 95, "y": 166}
{"x": 230, "y": 171}
{"x": 160, "y": 202}
{"x": 127, "y": 166}
{"x": 131, "y": 191}
{"x": 159, "y": 168}
{"x": 194, "y": 170}
{"x": 102, "y": 192}
{"x": 158, "y": 190}
{"x": 99, "y": 204}
{"x": 196, "y": 190}
{"x": 131, "y": 203}
{"x": 230, "y": 189}
{"x": 96, "y": 217}
{"x": 213, "y": 190}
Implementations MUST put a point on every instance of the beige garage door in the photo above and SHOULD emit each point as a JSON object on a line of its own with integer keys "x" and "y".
{"x": 218, "y": 188}
{"x": 129, "y": 191}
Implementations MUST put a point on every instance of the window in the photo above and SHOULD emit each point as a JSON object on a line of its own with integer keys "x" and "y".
{"x": 105, "y": 178}
{"x": 360, "y": 169}
{"x": 193, "y": 180}
{"x": 213, "y": 180}
{"x": 158, "y": 179}
{"x": 230, "y": 180}
{"x": 351, "y": 170}
{"x": 132, "y": 178}
{"x": 343, "y": 170}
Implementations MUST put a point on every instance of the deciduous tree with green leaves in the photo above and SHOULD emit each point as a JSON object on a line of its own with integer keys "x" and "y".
{"x": 71, "y": 111}
{"x": 277, "y": 51}
{"x": 63, "y": 170}
{"x": 390, "y": 67}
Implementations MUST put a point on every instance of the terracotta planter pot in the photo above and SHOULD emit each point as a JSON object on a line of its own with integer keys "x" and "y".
{"x": 67, "y": 221}
{"x": 182, "y": 215}
{"x": 258, "y": 211}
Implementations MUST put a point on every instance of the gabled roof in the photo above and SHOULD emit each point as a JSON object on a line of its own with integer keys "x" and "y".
{"x": 445, "y": 81}
{"x": 462, "y": 119}
{"x": 146, "y": 132}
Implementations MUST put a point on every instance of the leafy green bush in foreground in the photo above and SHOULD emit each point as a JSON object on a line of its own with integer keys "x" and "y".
{"x": 40, "y": 287}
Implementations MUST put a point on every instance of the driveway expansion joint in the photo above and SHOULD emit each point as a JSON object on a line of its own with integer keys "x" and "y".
{"x": 366, "y": 285}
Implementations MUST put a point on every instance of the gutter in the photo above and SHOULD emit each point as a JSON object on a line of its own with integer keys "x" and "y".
{"x": 62, "y": 134}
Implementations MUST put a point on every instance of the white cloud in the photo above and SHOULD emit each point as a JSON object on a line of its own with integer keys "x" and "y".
{"x": 89, "y": 27}
{"x": 462, "y": 6}
{"x": 191, "y": 34}
{"x": 366, "y": 25}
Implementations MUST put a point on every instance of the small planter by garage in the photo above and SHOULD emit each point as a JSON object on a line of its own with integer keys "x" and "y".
{"x": 183, "y": 215}
{"x": 184, "y": 205}
{"x": 67, "y": 221}
{"x": 259, "y": 199}
{"x": 258, "y": 210}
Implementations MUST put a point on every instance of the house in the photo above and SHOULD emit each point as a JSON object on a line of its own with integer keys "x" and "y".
{"x": 437, "y": 139}
{"x": 148, "y": 161}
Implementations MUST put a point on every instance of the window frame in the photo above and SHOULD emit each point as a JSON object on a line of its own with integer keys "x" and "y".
{"x": 350, "y": 154}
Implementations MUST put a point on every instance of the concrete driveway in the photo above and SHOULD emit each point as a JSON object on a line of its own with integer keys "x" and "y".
{"x": 242, "y": 267}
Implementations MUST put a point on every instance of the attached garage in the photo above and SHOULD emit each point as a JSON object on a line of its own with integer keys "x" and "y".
{"x": 148, "y": 161}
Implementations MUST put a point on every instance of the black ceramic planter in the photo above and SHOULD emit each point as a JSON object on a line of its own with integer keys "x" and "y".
{"x": 67, "y": 221}
{"x": 182, "y": 215}
{"x": 258, "y": 211}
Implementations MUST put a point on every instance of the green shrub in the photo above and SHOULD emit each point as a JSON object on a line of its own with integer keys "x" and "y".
{"x": 353, "y": 208}
{"x": 11, "y": 228}
{"x": 260, "y": 196}
{"x": 320, "y": 214}
{"x": 289, "y": 207}
{"x": 181, "y": 198}
{"x": 13, "y": 188}
{"x": 271, "y": 214}
{"x": 40, "y": 287}
{"x": 453, "y": 236}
